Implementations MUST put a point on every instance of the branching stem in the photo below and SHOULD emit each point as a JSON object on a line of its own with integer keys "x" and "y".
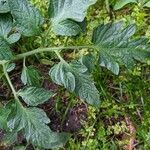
{"x": 53, "y": 49}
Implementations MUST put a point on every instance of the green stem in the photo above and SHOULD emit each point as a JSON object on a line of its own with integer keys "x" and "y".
{"x": 59, "y": 56}
{"x": 10, "y": 84}
{"x": 53, "y": 49}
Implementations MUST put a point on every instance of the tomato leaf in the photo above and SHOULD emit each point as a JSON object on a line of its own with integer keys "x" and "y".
{"x": 27, "y": 17}
{"x": 67, "y": 14}
{"x": 74, "y": 79}
{"x": 34, "y": 96}
{"x": 33, "y": 123}
{"x": 116, "y": 47}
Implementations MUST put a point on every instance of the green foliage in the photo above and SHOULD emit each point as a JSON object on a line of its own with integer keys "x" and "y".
{"x": 32, "y": 122}
{"x": 72, "y": 76}
{"x": 34, "y": 96}
{"x": 116, "y": 46}
{"x": 67, "y": 15}
{"x": 112, "y": 45}
{"x": 27, "y": 18}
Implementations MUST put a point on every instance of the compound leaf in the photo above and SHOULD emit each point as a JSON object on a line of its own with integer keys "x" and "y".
{"x": 115, "y": 46}
{"x": 122, "y": 3}
{"x": 34, "y": 96}
{"x": 27, "y": 17}
{"x": 33, "y": 123}
{"x": 66, "y": 15}
{"x": 74, "y": 79}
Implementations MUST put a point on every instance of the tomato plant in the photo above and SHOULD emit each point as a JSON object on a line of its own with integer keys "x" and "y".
{"x": 112, "y": 44}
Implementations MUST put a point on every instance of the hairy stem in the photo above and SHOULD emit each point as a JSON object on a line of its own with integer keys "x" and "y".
{"x": 53, "y": 49}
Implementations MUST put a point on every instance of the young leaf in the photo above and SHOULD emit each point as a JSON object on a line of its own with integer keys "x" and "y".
{"x": 32, "y": 122}
{"x": 67, "y": 14}
{"x": 34, "y": 96}
{"x": 75, "y": 79}
{"x": 30, "y": 76}
{"x": 4, "y": 6}
{"x": 122, "y": 3}
{"x": 116, "y": 46}
{"x": 27, "y": 17}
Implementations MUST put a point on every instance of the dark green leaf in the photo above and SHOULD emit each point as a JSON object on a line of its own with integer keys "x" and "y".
{"x": 30, "y": 76}
{"x": 66, "y": 15}
{"x": 34, "y": 96}
{"x": 28, "y": 18}
{"x": 32, "y": 122}
{"x": 115, "y": 46}
{"x": 74, "y": 79}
